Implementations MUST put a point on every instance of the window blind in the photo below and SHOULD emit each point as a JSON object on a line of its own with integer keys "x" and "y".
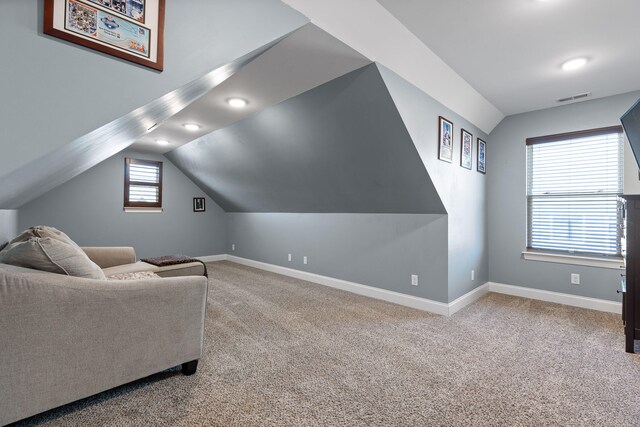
{"x": 143, "y": 183}
{"x": 573, "y": 184}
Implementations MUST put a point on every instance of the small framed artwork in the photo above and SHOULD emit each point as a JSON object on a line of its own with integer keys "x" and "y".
{"x": 198, "y": 204}
{"x": 482, "y": 156}
{"x": 466, "y": 150}
{"x": 445, "y": 140}
{"x": 129, "y": 29}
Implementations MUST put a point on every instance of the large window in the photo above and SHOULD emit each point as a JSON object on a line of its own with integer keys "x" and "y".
{"x": 142, "y": 183}
{"x": 573, "y": 184}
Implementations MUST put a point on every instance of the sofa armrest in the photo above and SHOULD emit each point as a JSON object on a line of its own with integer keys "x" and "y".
{"x": 65, "y": 338}
{"x": 107, "y": 257}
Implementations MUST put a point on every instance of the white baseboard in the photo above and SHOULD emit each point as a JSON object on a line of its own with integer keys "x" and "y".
{"x": 557, "y": 297}
{"x": 212, "y": 258}
{"x": 369, "y": 291}
{"x": 468, "y": 298}
{"x": 423, "y": 303}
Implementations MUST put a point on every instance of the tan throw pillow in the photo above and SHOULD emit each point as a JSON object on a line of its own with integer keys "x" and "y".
{"x": 23, "y": 237}
{"x": 43, "y": 231}
{"x": 47, "y": 254}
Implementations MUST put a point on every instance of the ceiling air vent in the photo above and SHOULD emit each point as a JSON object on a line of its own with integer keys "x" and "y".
{"x": 575, "y": 97}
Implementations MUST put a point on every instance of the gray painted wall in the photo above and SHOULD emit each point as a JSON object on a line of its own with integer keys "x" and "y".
{"x": 384, "y": 250}
{"x": 319, "y": 174}
{"x": 82, "y": 89}
{"x": 378, "y": 250}
{"x": 506, "y": 172}
{"x": 8, "y": 225}
{"x": 89, "y": 208}
{"x": 463, "y": 191}
{"x": 338, "y": 148}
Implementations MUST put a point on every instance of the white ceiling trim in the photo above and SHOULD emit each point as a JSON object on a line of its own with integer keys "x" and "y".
{"x": 369, "y": 28}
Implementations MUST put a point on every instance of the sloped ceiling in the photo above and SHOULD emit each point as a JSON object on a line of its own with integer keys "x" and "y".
{"x": 272, "y": 73}
{"x": 52, "y": 169}
{"x": 56, "y": 93}
{"x": 304, "y": 59}
{"x": 341, "y": 147}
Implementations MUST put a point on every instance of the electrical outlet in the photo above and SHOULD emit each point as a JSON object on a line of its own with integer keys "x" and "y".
{"x": 473, "y": 275}
{"x": 233, "y": 246}
{"x": 289, "y": 258}
{"x": 414, "y": 280}
{"x": 304, "y": 259}
{"x": 575, "y": 279}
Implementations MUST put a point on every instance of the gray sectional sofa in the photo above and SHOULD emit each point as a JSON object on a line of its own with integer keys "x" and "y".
{"x": 64, "y": 338}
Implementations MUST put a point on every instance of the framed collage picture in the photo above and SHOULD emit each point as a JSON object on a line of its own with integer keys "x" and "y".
{"x": 466, "y": 149}
{"x": 128, "y": 29}
{"x": 482, "y": 156}
{"x": 445, "y": 140}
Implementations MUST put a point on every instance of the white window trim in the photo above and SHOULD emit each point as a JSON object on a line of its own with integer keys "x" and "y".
{"x": 143, "y": 210}
{"x": 616, "y": 263}
{"x": 612, "y": 263}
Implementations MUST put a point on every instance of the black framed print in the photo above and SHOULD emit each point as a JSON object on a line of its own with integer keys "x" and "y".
{"x": 445, "y": 140}
{"x": 482, "y": 156}
{"x": 466, "y": 149}
{"x": 198, "y": 204}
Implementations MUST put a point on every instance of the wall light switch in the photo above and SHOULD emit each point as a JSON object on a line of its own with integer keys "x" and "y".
{"x": 473, "y": 275}
{"x": 414, "y": 280}
{"x": 233, "y": 246}
{"x": 289, "y": 258}
{"x": 304, "y": 259}
{"x": 575, "y": 279}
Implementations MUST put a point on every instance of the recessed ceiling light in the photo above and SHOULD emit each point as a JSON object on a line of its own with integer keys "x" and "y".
{"x": 237, "y": 102}
{"x": 574, "y": 64}
{"x": 162, "y": 142}
{"x": 191, "y": 127}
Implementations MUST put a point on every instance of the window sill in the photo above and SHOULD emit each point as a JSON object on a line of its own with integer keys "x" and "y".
{"x": 613, "y": 263}
{"x": 143, "y": 210}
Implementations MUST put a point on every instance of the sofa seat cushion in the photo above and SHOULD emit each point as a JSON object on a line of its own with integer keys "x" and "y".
{"x": 178, "y": 270}
{"x": 139, "y": 275}
{"x": 51, "y": 255}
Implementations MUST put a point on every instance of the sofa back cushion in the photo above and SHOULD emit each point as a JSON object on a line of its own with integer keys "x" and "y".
{"x": 52, "y": 255}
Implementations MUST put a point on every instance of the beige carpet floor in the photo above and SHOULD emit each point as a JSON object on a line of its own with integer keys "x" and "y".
{"x": 283, "y": 352}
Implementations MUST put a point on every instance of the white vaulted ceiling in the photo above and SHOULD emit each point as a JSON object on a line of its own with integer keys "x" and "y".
{"x": 511, "y": 51}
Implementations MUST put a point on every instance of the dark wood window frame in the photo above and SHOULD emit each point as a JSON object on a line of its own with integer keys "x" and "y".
{"x": 128, "y": 183}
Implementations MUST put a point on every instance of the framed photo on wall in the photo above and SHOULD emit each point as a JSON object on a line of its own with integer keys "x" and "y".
{"x": 198, "y": 204}
{"x": 445, "y": 140}
{"x": 466, "y": 149}
{"x": 482, "y": 156}
{"x": 128, "y": 29}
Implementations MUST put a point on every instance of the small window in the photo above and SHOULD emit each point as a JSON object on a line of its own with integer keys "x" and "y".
{"x": 142, "y": 183}
{"x": 573, "y": 184}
